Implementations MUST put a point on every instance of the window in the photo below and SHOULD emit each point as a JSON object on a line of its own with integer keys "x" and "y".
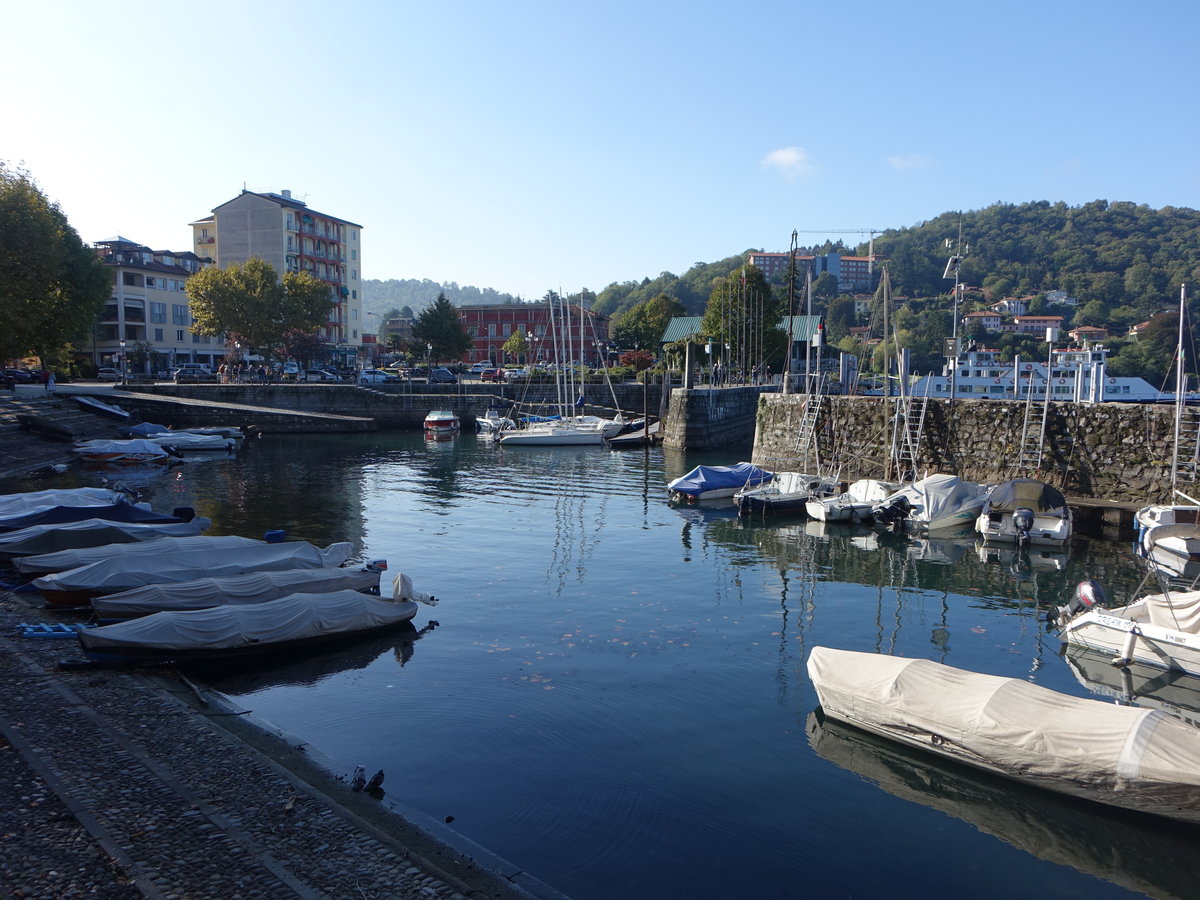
{"x": 355, "y": 333}
{"x": 179, "y": 336}
{"x": 179, "y": 315}
{"x": 195, "y": 338}
{"x": 354, "y": 274}
{"x": 158, "y": 334}
{"x": 354, "y": 295}
{"x": 158, "y": 312}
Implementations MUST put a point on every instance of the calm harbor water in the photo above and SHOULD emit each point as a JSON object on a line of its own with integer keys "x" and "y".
{"x": 614, "y": 697}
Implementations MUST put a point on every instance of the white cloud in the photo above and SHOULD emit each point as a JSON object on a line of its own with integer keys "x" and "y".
{"x": 791, "y": 162}
{"x": 912, "y": 161}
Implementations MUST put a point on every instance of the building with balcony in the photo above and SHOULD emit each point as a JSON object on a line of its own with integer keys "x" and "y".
{"x": 148, "y": 317}
{"x": 292, "y": 237}
{"x": 581, "y": 334}
{"x": 854, "y": 274}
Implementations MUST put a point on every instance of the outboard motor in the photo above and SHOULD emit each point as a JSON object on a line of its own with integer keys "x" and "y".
{"x": 1022, "y": 519}
{"x": 893, "y": 515}
{"x": 1087, "y": 595}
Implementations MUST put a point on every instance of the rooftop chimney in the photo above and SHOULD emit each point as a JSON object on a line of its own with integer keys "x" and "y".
{"x": 287, "y": 195}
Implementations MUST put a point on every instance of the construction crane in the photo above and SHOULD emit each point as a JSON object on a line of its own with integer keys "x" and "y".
{"x": 870, "y": 246}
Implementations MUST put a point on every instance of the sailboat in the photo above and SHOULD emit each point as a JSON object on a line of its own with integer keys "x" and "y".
{"x": 567, "y": 428}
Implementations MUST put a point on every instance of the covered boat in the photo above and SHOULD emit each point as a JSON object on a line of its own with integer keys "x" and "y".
{"x": 95, "y": 404}
{"x": 42, "y": 539}
{"x": 854, "y": 504}
{"x": 33, "y": 501}
{"x": 716, "y": 482}
{"x": 1161, "y": 630}
{"x": 76, "y": 587}
{"x": 1141, "y": 759}
{"x": 162, "y": 550}
{"x": 132, "y": 450}
{"x": 787, "y": 492}
{"x": 229, "y": 632}
{"x": 934, "y": 503}
{"x": 120, "y": 511}
{"x": 1025, "y": 511}
{"x": 190, "y": 442}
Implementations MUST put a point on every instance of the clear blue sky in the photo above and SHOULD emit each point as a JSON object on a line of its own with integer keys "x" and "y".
{"x": 527, "y": 146}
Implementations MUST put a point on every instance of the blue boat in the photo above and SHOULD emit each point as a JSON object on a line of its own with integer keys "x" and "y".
{"x": 716, "y": 482}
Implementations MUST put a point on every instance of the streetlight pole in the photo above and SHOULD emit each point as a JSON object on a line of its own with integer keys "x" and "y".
{"x": 122, "y": 343}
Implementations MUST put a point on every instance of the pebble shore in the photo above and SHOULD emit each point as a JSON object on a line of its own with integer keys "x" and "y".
{"x": 122, "y": 784}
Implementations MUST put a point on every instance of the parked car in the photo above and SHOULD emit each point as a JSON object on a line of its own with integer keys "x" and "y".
{"x": 480, "y": 367}
{"x": 108, "y": 374}
{"x": 316, "y": 375}
{"x": 516, "y": 374}
{"x": 194, "y": 373}
{"x": 291, "y": 371}
{"x": 375, "y": 376}
{"x": 442, "y": 376}
{"x": 495, "y": 375}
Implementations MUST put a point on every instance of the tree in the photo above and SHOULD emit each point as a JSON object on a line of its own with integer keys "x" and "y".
{"x": 440, "y": 325}
{"x": 745, "y": 313}
{"x": 517, "y": 345}
{"x": 52, "y": 286}
{"x": 643, "y": 325}
{"x": 825, "y": 286}
{"x": 839, "y": 318}
{"x": 247, "y": 301}
{"x": 395, "y": 343}
{"x": 304, "y": 346}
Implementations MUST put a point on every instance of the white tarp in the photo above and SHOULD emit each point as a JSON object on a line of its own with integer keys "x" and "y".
{"x": 1179, "y": 611}
{"x": 1124, "y": 755}
{"x": 49, "y": 539}
{"x": 12, "y": 505}
{"x": 291, "y": 618}
{"x": 124, "y": 573}
{"x": 937, "y": 496}
{"x": 186, "y": 440}
{"x": 232, "y": 590}
{"x": 163, "y": 549}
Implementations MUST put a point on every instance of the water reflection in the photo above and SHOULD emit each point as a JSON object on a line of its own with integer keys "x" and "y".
{"x": 1172, "y": 691}
{"x": 1137, "y": 852}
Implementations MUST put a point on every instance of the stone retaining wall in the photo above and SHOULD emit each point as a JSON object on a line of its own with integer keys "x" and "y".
{"x": 707, "y": 418}
{"x": 1113, "y": 451}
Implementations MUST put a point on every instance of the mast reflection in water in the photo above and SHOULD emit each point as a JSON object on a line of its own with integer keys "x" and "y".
{"x": 615, "y": 700}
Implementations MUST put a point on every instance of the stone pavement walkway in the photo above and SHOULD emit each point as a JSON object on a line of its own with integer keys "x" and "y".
{"x": 115, "y": 784}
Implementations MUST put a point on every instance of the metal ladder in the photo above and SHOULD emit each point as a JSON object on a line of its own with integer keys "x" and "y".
{"x": 806, "y": 437}
{"x": 1188, "y": 466}
{"x": 912, "y": 428}
{"x": 1029, "y": 459}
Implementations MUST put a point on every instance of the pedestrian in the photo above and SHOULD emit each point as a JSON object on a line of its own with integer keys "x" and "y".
{"x": 50, "y": 384}
{"x": 46, "y": 379}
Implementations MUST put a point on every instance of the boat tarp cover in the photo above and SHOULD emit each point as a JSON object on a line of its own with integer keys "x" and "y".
{"x": 1036, "y": 495}
{"x": 187, "y": 440}
{"x": 32, "y": 501}
{"x": 43, "y": 539}
{"x": 232, "y": 590}
{"x": 1178, "y": 612}
{"x": 294, "y": 617}
{"x": 869, "y": 490}
{"x": 161, "y": 550}
{"x": 145, "y": 429}
{"x": 936, "y": 496}
{"x": 132, "y": 445}
{"x": 1008, "y": 724}
{"x": 55, "y": 515}
{"x": 713, "y": 478}
{"x": 127, "y": 572}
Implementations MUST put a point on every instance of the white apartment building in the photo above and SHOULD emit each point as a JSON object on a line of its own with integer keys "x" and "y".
{"x": 291, "y": 237}
{"x": 148, "y": 319}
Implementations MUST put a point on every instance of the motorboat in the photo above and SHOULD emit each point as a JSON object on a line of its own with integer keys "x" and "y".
{"x": 41, "y": 539}
{"x": 852, "y": 505}
{"x": 74, "y": 557}
{"x": 292, "y": 622}
{"x": 1171, "y": 547}
{"x": 76, "y": 587}
{"x": 234, "y": 590}
{"x": 441, "y": 422}
{"x": 491, "y": 423}
{"x": 1025, "y": 511}
{"x": 191, "y": 442}
{"x": 120, "y": 511}
{"x": 787, "y": 492}
{"x": 716, "y": 482}
{"x": 127, "y": 450}
{"x": 31, "y": 501}
{"x": 934, "y": 503}
{"x": 1140, "y": 759}
{"x": 562, "y": 431}
{"x": 1160, "y": 630}
{"x": 152, "y": 430}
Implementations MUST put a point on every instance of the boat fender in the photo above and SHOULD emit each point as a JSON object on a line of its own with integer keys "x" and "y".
{"x": 275, "y": 536}
{"x": 1126, "y": 655}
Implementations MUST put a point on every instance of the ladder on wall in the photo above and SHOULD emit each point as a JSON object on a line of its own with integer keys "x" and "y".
{"x": 1188, "y": 466}
{"x": 1029, "y": 457}
{"x": 912, "y": 427}
{"x": 806, "y": 437}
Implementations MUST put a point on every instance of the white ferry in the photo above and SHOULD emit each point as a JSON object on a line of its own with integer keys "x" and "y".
{"x": 1075, "y": 374}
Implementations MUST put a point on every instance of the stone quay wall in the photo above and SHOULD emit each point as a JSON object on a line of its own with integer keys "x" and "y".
{"x": 1112, "y": 451}
{"x": 706, "y": 418}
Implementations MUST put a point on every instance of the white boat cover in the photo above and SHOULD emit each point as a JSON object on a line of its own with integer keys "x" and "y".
{"x": 137, "y": 447}
{"x": 162, "y": 550}
{"x": 869, "y": 490}
{"x": 294, "y": 617}
{"x": 935, "y": 497}
{"x": 41, "y": 539}
{"x": 1178, "y": 612}
{"x": 1133, "y": 757}
{"x": 12, "y": 505}
{"x": 123, "y": 573}
{"x": 187, "y": 440}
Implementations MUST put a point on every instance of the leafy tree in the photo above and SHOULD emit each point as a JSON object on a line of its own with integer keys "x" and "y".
{"x": 406, "y": 312}
{"x": 517, "y": 345}
{"x": 247, "y": 301}
{"x": 395, "y": 343}
{"x": 643, "y": 325}
{"x": 839, "y": 318}
{"x": 305, "y": 346}
{"x": 825, "y": 286}
{"x": 745, "y": 313}
{"x": 52, "y": 287}
{"x": 441, "y": 326}
{"x": 639, "y": 360}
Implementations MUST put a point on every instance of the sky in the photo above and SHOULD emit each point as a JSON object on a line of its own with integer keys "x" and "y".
{"x": 534, "y": 145}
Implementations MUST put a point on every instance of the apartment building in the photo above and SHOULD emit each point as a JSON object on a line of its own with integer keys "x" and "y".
{"x": 148, "y": 320}
{"x": 854, "y": 274}
{"x": 292, "y": 237}
{"x": 581, "y": 334}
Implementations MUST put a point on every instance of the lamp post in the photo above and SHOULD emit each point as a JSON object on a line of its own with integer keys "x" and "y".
{"x": 122, "y": 343}
{"x": 429, "y": 357}
{"x": 708, "y": 348}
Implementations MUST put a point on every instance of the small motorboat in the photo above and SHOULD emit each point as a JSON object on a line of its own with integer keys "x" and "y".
{"x": 162, "y": 549}
{"x": 31, "y": 501}
{"x": 1160, "y": 630}
{"x": 491, "y": 423}
{"x": 42, "y": 539}
{"x": 76, "y": 587}
{"x": 234, "y": 590}
{"x": 129, "y": 450}
{"x": 292, "y": 622}
{"x": 120, "y": 511}
{"x": 1140, "y": 759}
{"x": 191, "y": 442}
{"x": 854, "y": 504}
{"x": 1171, "y": 546}
{"x": 787, "y": 492}
{"x": 935, "y": 503}
{"x": 1025, "y": 511}
{"x": 716, "y": 482}
{"x": 441, "y": 422}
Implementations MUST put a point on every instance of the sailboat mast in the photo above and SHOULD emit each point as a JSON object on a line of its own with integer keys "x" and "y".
{"x": 887, "y": 385}
{"x": 1180, "y": 389}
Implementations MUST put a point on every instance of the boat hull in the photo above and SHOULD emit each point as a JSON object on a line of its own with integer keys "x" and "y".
{"x": 1128, "y": 634}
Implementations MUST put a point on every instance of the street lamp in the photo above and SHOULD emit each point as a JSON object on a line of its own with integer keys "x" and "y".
{"x": 429, "y": 355}
{"x": 122, "y": 343}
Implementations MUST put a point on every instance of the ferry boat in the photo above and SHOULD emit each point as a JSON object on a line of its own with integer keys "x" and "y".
{"x": 1075, "y": 374}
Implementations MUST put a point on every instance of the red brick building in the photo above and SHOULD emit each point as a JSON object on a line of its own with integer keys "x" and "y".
{"x": 490, "y": 325}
